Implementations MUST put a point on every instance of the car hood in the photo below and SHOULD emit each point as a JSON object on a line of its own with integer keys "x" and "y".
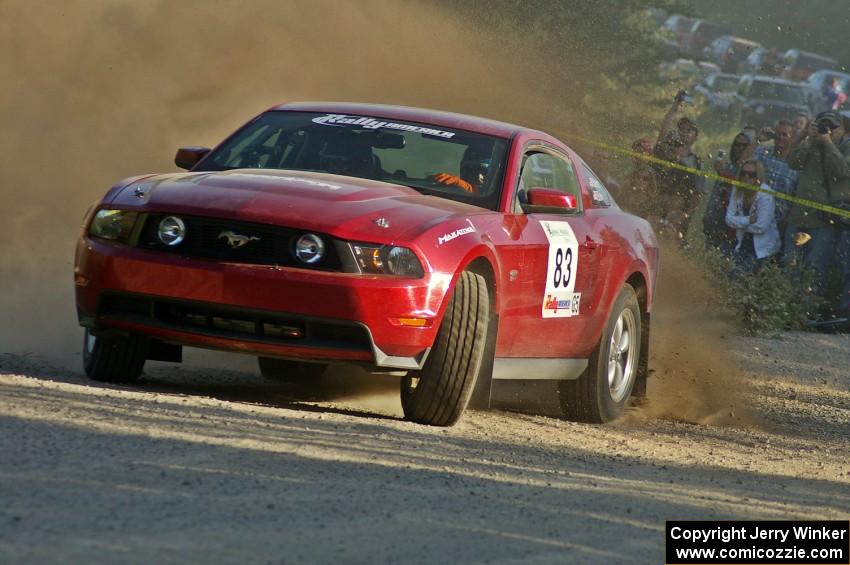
{"x": 345, "y": 207}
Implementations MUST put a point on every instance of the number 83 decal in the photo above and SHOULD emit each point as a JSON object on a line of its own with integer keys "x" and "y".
{"x": 563, "y": 268}
{"x": 559, "y": 299}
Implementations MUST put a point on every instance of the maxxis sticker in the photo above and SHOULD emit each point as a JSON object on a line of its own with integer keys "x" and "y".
{"x": 559, "y": 298}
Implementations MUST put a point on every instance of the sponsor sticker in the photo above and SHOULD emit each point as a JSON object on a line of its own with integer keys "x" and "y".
{"x": 340, "y": 120}
{"x": 445, "y": 238}
{"x": 559, "y": 297}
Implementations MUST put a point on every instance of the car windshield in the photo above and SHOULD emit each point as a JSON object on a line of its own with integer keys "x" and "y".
{"x": 724, "y": 84}
{"x": 454, "y": 164}
{"x": 775, "y": 91}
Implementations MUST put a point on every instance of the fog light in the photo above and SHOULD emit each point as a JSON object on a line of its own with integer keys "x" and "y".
{"x": 309, "y": 248}
{"x": 172, "y": 231}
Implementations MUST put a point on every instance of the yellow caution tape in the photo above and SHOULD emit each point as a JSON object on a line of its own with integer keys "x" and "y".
{"x": 715, "y": 177}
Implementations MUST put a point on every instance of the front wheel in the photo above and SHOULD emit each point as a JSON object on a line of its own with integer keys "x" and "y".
{"x": 117, "y": 359}
{"x": 603, "y": 390}
{"x": 438, "y": 394}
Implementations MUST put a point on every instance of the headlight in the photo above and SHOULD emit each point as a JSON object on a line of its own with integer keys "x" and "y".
{"x": 387, "y": 260}
{"x": 309, "y": 248}
{"x": 116, "y": 225}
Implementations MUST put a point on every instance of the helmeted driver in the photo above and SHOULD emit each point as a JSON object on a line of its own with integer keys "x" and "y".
{"x": 473, "y": 171}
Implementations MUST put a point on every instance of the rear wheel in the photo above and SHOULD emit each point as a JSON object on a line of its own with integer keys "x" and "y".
{"x": 293, "y": 372}
{"x": 603, "y": 390}
{"x": 117, "y": 359}
{"x": 438, "y": 394}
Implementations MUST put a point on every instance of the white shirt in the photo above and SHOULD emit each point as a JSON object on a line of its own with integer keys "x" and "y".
{"x": 765, "y": 232}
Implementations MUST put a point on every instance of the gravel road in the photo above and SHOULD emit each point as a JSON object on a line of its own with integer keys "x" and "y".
{"x": 213, "y": 465}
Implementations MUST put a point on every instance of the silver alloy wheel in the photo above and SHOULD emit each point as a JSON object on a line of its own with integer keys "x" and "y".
{"x": 622, "y": 357}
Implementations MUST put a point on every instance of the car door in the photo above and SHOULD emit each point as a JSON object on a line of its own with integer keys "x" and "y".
{"x": 559, "y": 264}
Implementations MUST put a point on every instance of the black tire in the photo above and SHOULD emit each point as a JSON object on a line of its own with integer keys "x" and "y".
{"x": 438, "y": 394}
{"x": 117, "y": 359}
{"x": 595, "y": 396}
{"x": 292, "y": 372}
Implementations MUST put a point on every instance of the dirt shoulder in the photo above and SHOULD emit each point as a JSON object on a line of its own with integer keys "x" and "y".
{"x": 200, "y": 464}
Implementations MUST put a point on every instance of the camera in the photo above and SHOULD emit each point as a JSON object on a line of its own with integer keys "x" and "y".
{"x": 766, "y": 134}
{"x": 823, "y": 126}
{"x": 683, "y": 97}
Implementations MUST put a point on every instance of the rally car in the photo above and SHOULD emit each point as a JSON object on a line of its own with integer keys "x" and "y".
{"x": 455, "y": 250}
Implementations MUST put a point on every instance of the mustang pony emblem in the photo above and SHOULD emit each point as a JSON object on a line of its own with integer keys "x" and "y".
{"x": 235, "y": 240}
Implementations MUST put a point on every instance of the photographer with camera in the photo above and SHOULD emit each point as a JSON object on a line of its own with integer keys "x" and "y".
{"x": 681, "y": 188}
{"x": 824, "y": 178}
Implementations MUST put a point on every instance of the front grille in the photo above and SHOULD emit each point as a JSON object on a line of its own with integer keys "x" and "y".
{"x": 205, "y": 239}
{"x": 233, "y": 322}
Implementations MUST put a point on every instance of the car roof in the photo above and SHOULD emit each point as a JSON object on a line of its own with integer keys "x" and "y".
{"x": 774, "y": 80}
{"x": 740, "y": 40}
{"x": 828, "y": 72}
{"x": 433, "y": 117}
{"x": 809, "y": 54}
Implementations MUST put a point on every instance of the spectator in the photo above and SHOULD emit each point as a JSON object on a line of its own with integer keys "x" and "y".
{"x": 680, "y": 189}
{"x": 717, "y": 234}
{"x": 780, "y": 177}
{"x": 751, "y": 213}
{"x": 800, "y": 123}
{"x": 834, "y": 94}
{"x": 824, "y": 177}
{"x": 668, "y": 180}
{"x": 640, "y": 195}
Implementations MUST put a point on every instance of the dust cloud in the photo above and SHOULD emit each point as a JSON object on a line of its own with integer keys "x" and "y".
{"x": 693, "y": 377}
{"x": 98, "y": 90}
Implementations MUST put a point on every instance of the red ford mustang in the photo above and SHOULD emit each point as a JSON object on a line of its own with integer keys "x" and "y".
{"x": 454, "y": 249}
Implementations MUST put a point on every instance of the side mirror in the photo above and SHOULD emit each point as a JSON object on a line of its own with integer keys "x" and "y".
{"x": 548, "y": 201}
{"x": 188, "y": 157}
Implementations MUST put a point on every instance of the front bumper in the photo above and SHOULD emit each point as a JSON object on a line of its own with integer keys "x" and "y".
{"x": 273, "y": 311}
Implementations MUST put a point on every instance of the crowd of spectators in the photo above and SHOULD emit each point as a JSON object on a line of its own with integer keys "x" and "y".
{"x": 771, "y": 199}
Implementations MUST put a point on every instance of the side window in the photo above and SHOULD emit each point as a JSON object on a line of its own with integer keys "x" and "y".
{"x": 598, "y": 193}
{"x": 544, "y": 170}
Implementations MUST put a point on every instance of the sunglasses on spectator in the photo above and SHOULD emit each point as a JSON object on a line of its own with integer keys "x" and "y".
{"x": 749, "y": 174}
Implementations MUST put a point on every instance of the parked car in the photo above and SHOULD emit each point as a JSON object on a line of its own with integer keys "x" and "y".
{"x": 728, "y": 51}
{"x": 762, "y": 101}
{"x": 800, "y": 64}
{"x": 816, "y": 86}
{"x": 762, "y": 61}
{"x": 679, "y": 27}
{"x": 687, "y": 70}
{"x": 450, "y": 248}
{"x": 702, "y": 33}
{"x": 718, "y": 89}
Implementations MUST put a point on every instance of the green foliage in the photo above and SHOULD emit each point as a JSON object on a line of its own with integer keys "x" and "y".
{"x": 769, "y": 302}
{"x": 765, "y": 303}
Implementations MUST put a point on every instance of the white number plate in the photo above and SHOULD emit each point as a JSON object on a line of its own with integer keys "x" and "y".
{"x": 560, "y": 299}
